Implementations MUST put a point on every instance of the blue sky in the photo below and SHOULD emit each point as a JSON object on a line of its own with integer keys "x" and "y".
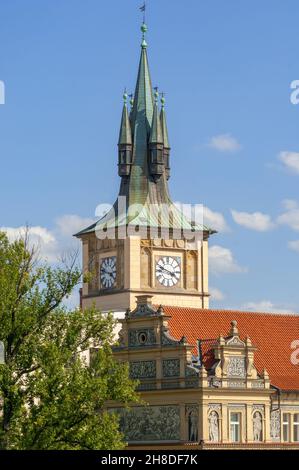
{"x": 226, "y": 68}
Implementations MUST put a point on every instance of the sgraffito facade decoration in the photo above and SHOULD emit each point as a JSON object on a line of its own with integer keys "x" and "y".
{"x": 171, "y": 367}
{"x": 275, "y": 425}
{"x": 143, "y": 369}
{"x": 236, "y": 367}
{"x": 149, "y": 424}
{"x": 142, "y": 337}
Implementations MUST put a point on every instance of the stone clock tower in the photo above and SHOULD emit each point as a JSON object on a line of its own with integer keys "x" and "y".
{"x": 145, "y": 245}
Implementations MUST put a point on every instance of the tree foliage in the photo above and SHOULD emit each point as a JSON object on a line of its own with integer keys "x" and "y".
{"x": 50, "y": 398}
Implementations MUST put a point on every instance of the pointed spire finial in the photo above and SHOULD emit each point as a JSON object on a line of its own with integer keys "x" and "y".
{"x": 143, "y": 26}
{"x": 131, "y": 96}
{"x": 144, "y": 30}
{"x": 163, "y": 99}
{"x": 156, "y": 94}
{"x": 125, "y": 96}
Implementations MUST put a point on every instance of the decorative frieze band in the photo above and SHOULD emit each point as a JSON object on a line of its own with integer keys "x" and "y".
{"x": 143, "y": 369}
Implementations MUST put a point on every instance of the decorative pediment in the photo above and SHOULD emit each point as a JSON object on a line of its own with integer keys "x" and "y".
{"x": 234, "y": 361}
{"x": 234, "y": 338}
{"x": 235, "y": 341}
{"x": 144, "y": 308}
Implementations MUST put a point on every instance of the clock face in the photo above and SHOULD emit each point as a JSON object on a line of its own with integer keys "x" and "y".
{"x": 108, "y": 272}
{"x": 168, "y": 271}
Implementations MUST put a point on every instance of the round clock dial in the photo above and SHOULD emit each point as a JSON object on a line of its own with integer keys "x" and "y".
{"x": 108, "y": 272}
{"x": 168, "y": 271}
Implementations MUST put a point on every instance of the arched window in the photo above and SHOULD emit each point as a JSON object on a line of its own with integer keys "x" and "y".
{"x": 257, "y": 422}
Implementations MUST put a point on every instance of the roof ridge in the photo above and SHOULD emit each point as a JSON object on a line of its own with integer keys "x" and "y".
{"x": 278, "y": 314}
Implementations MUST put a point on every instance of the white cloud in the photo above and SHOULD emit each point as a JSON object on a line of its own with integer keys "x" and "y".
{"x": 294, "y": 245}
{"x": 52, "y": 243}
{"x": 204, "y": 215}
{"x": 214, "y": 220}
{"x": 222, "y": 261}
{"x": 224, "y": 143}
{"x": 290, "y": 204}
{"x": 39, "y": 237}
{"x": 290, "y": 160}
{"x": 291, "y": 216}
{"x": 264, "y": 306}
{"x": 216, "y": 294}
{"x": 70, "y": 224}
{"x": 253, "y": 221}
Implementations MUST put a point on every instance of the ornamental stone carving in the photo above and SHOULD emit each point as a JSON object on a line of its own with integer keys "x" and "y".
{"x": 166, "y": 338}
{"x": 235, "y": 341}
{"x": 236, "y": 384}
{"x": 191, "y": 371}
{"x": 214, "y": 426}
{"x": 152, "y": 423}
{"x": 143, "y": 369}
{"x": 275, "y": 425}
{"x": 213, "y": 382}
{"x": 142, "y": 337}
{"x": 215, "y": 407}
{"x": 236, "y": 367}
{"x": 258, "y": 384}
{"x": 171, "y": 367}
{"x": 260, "y": 408}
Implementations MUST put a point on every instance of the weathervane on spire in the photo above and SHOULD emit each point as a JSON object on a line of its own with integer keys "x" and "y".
{"x": 143, "y": 10}
{"x": 143, "y": 26}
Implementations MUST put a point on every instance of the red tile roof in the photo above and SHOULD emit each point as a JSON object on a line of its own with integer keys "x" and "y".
{"x": 271, "y": 333}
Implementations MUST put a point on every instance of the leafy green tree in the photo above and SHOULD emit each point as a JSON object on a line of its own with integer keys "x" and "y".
{"x": 49, "y": 397}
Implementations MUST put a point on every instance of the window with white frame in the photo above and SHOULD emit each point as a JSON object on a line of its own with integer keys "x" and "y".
{"x": 296, "y": 427}
{"x": 235, "y": 427}
{"x": 286, "y": 418}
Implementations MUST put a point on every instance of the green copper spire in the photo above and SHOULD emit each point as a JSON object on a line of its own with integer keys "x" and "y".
{"x": 142, "y": 112}
{"x": 164, "y": 124}
{"x": 141, "y": 120}
{"x": 143, "y": 161}
{"x": 125, "y": 134}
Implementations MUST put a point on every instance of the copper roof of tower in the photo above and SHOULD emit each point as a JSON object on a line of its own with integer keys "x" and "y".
{"x": 141, "y": 190}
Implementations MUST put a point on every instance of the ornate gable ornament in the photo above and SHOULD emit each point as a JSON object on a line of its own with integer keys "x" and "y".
{"x": 234, "y": 362}
{"x": 144, "y": 308}
{"x": 234, "y": 338}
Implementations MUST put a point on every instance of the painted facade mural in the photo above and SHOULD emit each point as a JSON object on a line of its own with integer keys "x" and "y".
{"x": 152, "y": 423}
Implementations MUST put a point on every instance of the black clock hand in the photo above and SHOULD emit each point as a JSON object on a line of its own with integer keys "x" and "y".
{"x": 166, "y": 271}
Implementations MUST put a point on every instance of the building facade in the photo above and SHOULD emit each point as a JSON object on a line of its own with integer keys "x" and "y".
{"x": 210, "y": 378}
